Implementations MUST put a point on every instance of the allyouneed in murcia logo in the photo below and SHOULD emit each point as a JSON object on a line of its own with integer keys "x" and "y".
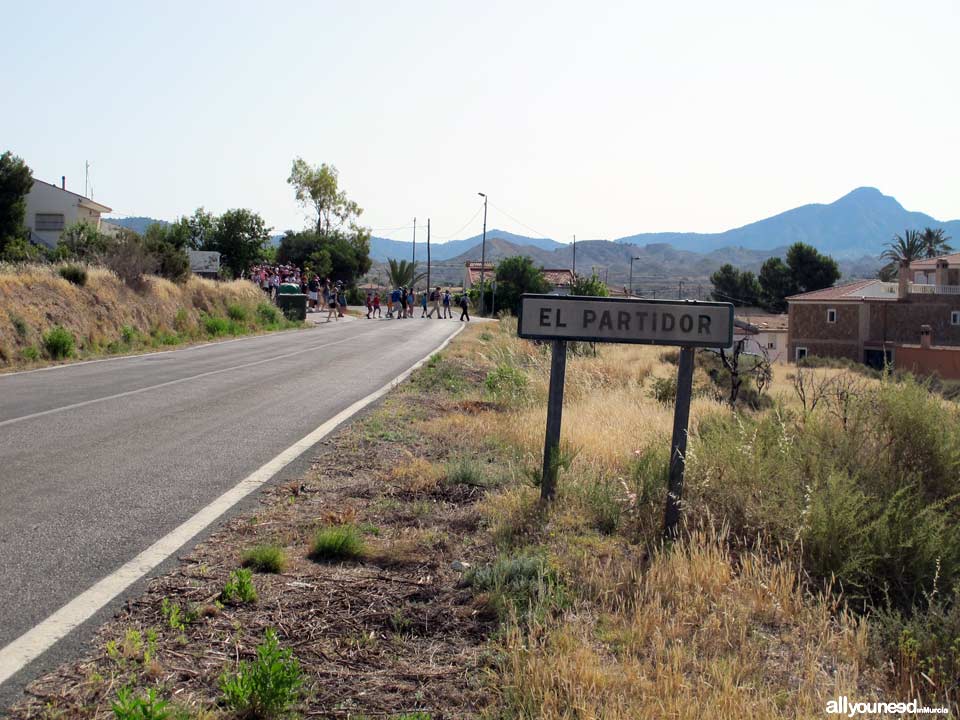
{"x": 843, "y": 706}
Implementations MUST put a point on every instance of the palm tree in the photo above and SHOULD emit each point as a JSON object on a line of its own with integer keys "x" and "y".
{"x": 904, "y": 249}
{"x": 935, "y": 242}
{"x": 403, "y": 273}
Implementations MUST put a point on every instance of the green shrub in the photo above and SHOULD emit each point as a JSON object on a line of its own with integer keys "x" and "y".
{"x": 465, "y": 471}
{"x": 19, "y": 326}
{"x": 165, "y": 338}
{"x": 268, "y": 314}
{"x": 664, "y": 390}
{"x": 239, "y": 588}
{"x": 603, "y": 498}
{"x": 181, "y": 321}
{"x": 524, "y": 584}
{"x": 265, "y": 558}
{"x": 268, "y": 686}
{"x": 30, "y": 353}
{"x": 215, "y": 326}
{"x": 506, "y": 383}
{"x": 236, "y": 312}
{"x": 128, "y": 706}
{"x": 58, "y": 343}
{"x": 75, "y": 274}
{"x": 129, "y": 334}
{"x": 176, "y": 617}
{"x": 337, "y": 542}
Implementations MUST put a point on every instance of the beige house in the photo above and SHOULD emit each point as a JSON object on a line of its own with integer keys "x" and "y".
{"x": 51, "y": 209}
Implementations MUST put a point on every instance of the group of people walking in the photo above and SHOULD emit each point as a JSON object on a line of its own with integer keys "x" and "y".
{"x": 402, "y": 302}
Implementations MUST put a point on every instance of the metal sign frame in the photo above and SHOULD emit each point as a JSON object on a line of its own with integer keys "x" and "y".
{"x": 681, "y": 413}
{"x": 622, "y": 302}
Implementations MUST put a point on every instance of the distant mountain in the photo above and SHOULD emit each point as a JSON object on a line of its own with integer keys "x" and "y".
{"x": 383, "y": 248}
{"x": 858, "y": 224}
{"x": 138, "y": 224}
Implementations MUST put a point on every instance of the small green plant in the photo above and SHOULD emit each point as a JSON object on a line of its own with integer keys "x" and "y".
{"x": 266, "y": 558}
{"x": 337, "y": 542}
{"x": 268, "y": 314}
{"x": 237, "y": 313}
{"x": 465, "y": 471}
{"x": 30, "y": 353}
{"x": 413, "y": 716}
{"x": 129, "y": 706}
{"x": 239, "y": 588}
{"x": 59, "y": 343}
{"x": 215, "y": 326}
{"x": 181, "y": 321}
{"x": 75, "y": 274}
{"x": 506, "y": 383}
{"x": 266, "y": 687}
{"x": 522, "y": 584}
{"x": 129, "y": 334}
{"x": 175, "y": 616}
{"x": 440, "y": 374}
{"x": 19, "y": 326}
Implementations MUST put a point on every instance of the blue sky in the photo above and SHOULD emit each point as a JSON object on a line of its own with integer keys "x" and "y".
{"x": 600, "y": 119}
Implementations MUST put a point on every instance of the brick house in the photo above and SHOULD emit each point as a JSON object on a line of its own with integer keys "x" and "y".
{"x": 867, "y": 320}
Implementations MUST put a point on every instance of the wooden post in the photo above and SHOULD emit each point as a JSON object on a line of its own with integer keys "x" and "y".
{"x": 551, "y": 446}
{"x": 678, "y": 445}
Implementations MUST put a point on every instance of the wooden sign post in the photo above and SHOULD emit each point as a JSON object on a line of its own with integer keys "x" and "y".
{"x": 688, "y": 324}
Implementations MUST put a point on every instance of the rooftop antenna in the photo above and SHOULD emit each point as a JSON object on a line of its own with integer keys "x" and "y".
{"x": 86, "y": 178}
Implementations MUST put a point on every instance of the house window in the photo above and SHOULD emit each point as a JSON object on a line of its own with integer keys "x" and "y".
{"x": 48, "y": 221}
{"x": 831, "y": 315}
{"x": 955, "y": 317}
{"x": 801, "y": 353}
{"x": 772, "y": 345}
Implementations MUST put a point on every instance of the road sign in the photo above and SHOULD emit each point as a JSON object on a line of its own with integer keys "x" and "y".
{"x": 203, "y": 261}
{"x": 686, "y": 323}
{"x": 689, "y": 324}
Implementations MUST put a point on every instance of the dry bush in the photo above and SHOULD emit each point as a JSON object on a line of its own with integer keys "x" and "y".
{"x": 416, "y": 475}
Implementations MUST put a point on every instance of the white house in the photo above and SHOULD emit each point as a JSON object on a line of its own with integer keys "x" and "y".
{"x": 50, "y": 209}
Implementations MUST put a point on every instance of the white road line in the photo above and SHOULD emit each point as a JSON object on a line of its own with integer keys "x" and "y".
{"x": 128, "y": 393}
{"x": 36, "y": 641}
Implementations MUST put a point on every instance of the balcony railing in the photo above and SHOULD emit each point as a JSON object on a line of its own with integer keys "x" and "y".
{"x": 922, "y": 289}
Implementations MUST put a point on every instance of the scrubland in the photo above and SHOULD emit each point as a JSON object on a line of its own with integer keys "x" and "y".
{"x": 40, "y": 308}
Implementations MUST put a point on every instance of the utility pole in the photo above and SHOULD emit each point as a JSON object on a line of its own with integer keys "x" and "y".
{"x": 86, "y": 178}
{"x": 680, "y": 291}
{"x": 414, "y": 247}
{"x": 428, "y": 256}
{"x": 483, "y": 255}
{"x": 574, "y": 256}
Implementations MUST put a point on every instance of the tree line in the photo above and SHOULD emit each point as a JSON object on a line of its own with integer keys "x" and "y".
{"x": 334, "y": 246}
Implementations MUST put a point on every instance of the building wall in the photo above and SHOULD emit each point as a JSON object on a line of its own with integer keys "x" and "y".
{"x": 926, "y": 361}
{"x": 808, "y": 328}
{"x": 900, "y": 321}
{"x": 44, "y": 198}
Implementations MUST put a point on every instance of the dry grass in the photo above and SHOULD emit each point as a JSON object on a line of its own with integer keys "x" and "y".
{"x": 693, "y": 637}
{"x": 36, "y": 298}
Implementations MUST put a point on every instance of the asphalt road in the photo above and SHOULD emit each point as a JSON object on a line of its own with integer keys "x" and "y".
{"x": 99, "y": 460}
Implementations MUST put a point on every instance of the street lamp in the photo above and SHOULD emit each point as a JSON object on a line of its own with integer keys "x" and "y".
{"x": 483, "y": 254}
{"x": 631, "y": 274}
{"x": 494, "y": 286}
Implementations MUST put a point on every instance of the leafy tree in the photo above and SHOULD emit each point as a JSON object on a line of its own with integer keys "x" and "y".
{"x": 336, "y": 255}
{"x": 805, "y": 270}
{"x": 592, "y": 286}
{"x": 904, "y": 249}
{"x": 935, "y": 242}
{"x": 16, "y": 179}
{"x": 317, "y": 188}
{"x": 83, "y": 241}
{"x": 811, "y": 270}
{"x": 240, "y": 237}
{"x": 201, "y": 229}
{"x": 735, "y": 286}
{"x": 402, "y": 273}
{"x": 515, "y": 276}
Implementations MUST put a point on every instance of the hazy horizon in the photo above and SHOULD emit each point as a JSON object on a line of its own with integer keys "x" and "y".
{"x": 600, "y": 121}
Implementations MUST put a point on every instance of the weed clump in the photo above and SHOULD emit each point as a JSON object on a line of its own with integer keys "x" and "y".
{"x": 239, "y": 589}
{"x": 337, "y": 542}
{"x": 522, "y": 584}
{"x": 75, "y": 274}
{"x": 265, "y": 558}
{"x": 266, "y": 687}
{"x": 268, "y": 314}
{"x": 129, "y": 706}
{"x": 236, "y": 312}
{"x": 506, "y": 383}
{"x": 215, "y": 326}
{"x": 59, "y": 343}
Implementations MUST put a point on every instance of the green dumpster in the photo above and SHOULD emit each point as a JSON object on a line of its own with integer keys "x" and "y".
{"x": 288, "y": 289}
{"x": 292, "y": 305}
